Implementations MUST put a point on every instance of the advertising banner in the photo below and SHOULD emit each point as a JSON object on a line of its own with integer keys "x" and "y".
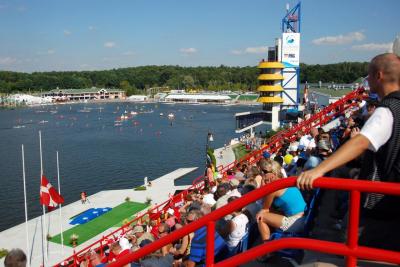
{"x": 291, "y": 49}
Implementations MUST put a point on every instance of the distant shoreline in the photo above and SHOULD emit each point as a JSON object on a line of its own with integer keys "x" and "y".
{"x": 236, "y": 103}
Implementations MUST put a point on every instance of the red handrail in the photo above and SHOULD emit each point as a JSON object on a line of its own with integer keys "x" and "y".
{"x": 311, "y": 244}
{"x": 318, "y": 119}
{"x": 77, "y": 256}
{"x": 274, "y": 143}
{"x": 351, "y": 250}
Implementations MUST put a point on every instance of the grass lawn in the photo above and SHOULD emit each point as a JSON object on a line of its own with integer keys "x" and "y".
{"x": 240, "y": 151}
{"x": 331, "y": 92}
{"x": 100, "y": 224}
{"x": 248, "y": 97}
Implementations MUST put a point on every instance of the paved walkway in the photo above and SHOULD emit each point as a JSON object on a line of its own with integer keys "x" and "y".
{"x": 15, "y": 237}
{"x": 224, "y": 156}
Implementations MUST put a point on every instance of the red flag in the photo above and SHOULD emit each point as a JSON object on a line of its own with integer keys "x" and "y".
{"x": 49, "y": 195}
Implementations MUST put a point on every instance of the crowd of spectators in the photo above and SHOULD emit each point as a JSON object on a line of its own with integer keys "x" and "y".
{"x": 283, "y": 210}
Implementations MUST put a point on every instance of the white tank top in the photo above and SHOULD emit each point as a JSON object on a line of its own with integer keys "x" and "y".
{"x": 237, "y": 234}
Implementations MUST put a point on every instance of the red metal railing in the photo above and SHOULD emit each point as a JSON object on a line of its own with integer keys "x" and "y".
{"x": 274, "y": 144}
{"x": 155, "y": 211}
{"x": 318, "y": 119}
{"x": 351, "y": 250}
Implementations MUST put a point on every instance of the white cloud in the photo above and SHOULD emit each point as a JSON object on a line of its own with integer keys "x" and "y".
{"x": 256, "y": 50}
{"x": 188, "y": 51}
{"x": 251, "y": 50}
{"x": 84, "y": 66}
{"x": 128, "y": 53}
{"x": 67, "y": 32}
{"x": 47, "y": 52}
{"x": 340, "y": 39}
{"x": 236, "y": 52}
{"x": 107, "y": 59}
{"x": 7, "y": 60}
{"x": 384, "y": 47}
{"x": 91, "y": 28}
{"x": 110, "y": 44}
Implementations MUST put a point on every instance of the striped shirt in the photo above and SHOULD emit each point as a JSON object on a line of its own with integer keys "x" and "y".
{"x": 198, "y": 246}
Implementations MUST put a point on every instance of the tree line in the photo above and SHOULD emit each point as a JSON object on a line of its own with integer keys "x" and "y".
{"x": 136, "y": 79}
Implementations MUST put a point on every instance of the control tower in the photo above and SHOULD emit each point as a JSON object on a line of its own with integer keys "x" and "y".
{"x": 279, "y": 79}
{"x": 270, "y": 89}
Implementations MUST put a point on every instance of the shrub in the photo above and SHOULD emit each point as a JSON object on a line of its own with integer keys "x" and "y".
{"x": 3, "y": 252}
{"x": 148, "y": 200}
{"x": 48, "y": 237}
{"x": 73, "y": 238}
{"x": 210, "y": 153}
{"x": 140, "y": 188}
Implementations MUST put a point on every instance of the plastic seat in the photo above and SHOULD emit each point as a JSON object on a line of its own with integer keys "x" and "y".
{"x": 243, "y": 244}
{"x": 309, "y": 215}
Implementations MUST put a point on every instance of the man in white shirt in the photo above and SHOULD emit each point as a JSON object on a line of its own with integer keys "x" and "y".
{"x": 307, "y": 142}
{"x": 375, "y": 133}
{"x": 378, "y": 131}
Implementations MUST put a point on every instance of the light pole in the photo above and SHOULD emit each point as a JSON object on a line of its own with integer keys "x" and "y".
{"x": 210, "y": 138}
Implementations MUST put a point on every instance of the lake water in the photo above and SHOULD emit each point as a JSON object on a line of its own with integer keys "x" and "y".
{"x": 97, "y": 155}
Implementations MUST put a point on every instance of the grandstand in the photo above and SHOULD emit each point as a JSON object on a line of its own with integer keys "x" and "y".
{"x": 286, "y": 245}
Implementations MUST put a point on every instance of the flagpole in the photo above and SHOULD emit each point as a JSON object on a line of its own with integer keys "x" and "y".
{"x": 26, "y": 208}
{"x": 59, "y": 192}
{"x": 44, "y": 255}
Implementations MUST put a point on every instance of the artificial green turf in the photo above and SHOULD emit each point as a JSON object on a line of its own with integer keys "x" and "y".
{"x": 240, "y": 151}
{"x": 100, "y": 224}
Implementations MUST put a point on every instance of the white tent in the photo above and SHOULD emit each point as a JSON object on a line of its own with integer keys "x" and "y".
{"x": 137, "y": 98}
{"x": 29, "y": 99}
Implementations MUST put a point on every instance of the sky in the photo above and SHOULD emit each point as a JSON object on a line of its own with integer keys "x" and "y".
{"x": 56, "y": 35}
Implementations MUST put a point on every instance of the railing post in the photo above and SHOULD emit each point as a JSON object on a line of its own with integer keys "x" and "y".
{"x": 75, "y": 259}
{"x": 352, "y": 234}
{"x": 101, "y": 247}
{"x": 210, "y": 243}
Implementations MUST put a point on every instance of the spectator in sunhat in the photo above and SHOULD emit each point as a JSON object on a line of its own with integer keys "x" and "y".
{"x": 141, "y": 234}
{"x": 172, "y": 219}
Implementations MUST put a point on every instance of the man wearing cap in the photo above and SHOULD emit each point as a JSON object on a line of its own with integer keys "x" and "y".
{"x": 117, "y": 251}
{"x": 141, "y": 235}
{"x": 324, "y": 150}
{"x": 380, "y": 139}
{"x": 172, "y": 219}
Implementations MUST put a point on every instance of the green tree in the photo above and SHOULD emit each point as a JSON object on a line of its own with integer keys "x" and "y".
{"x": 138, "y": 78}
{"x": 188, "y": 81}
{"x": 125, "y": 85}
